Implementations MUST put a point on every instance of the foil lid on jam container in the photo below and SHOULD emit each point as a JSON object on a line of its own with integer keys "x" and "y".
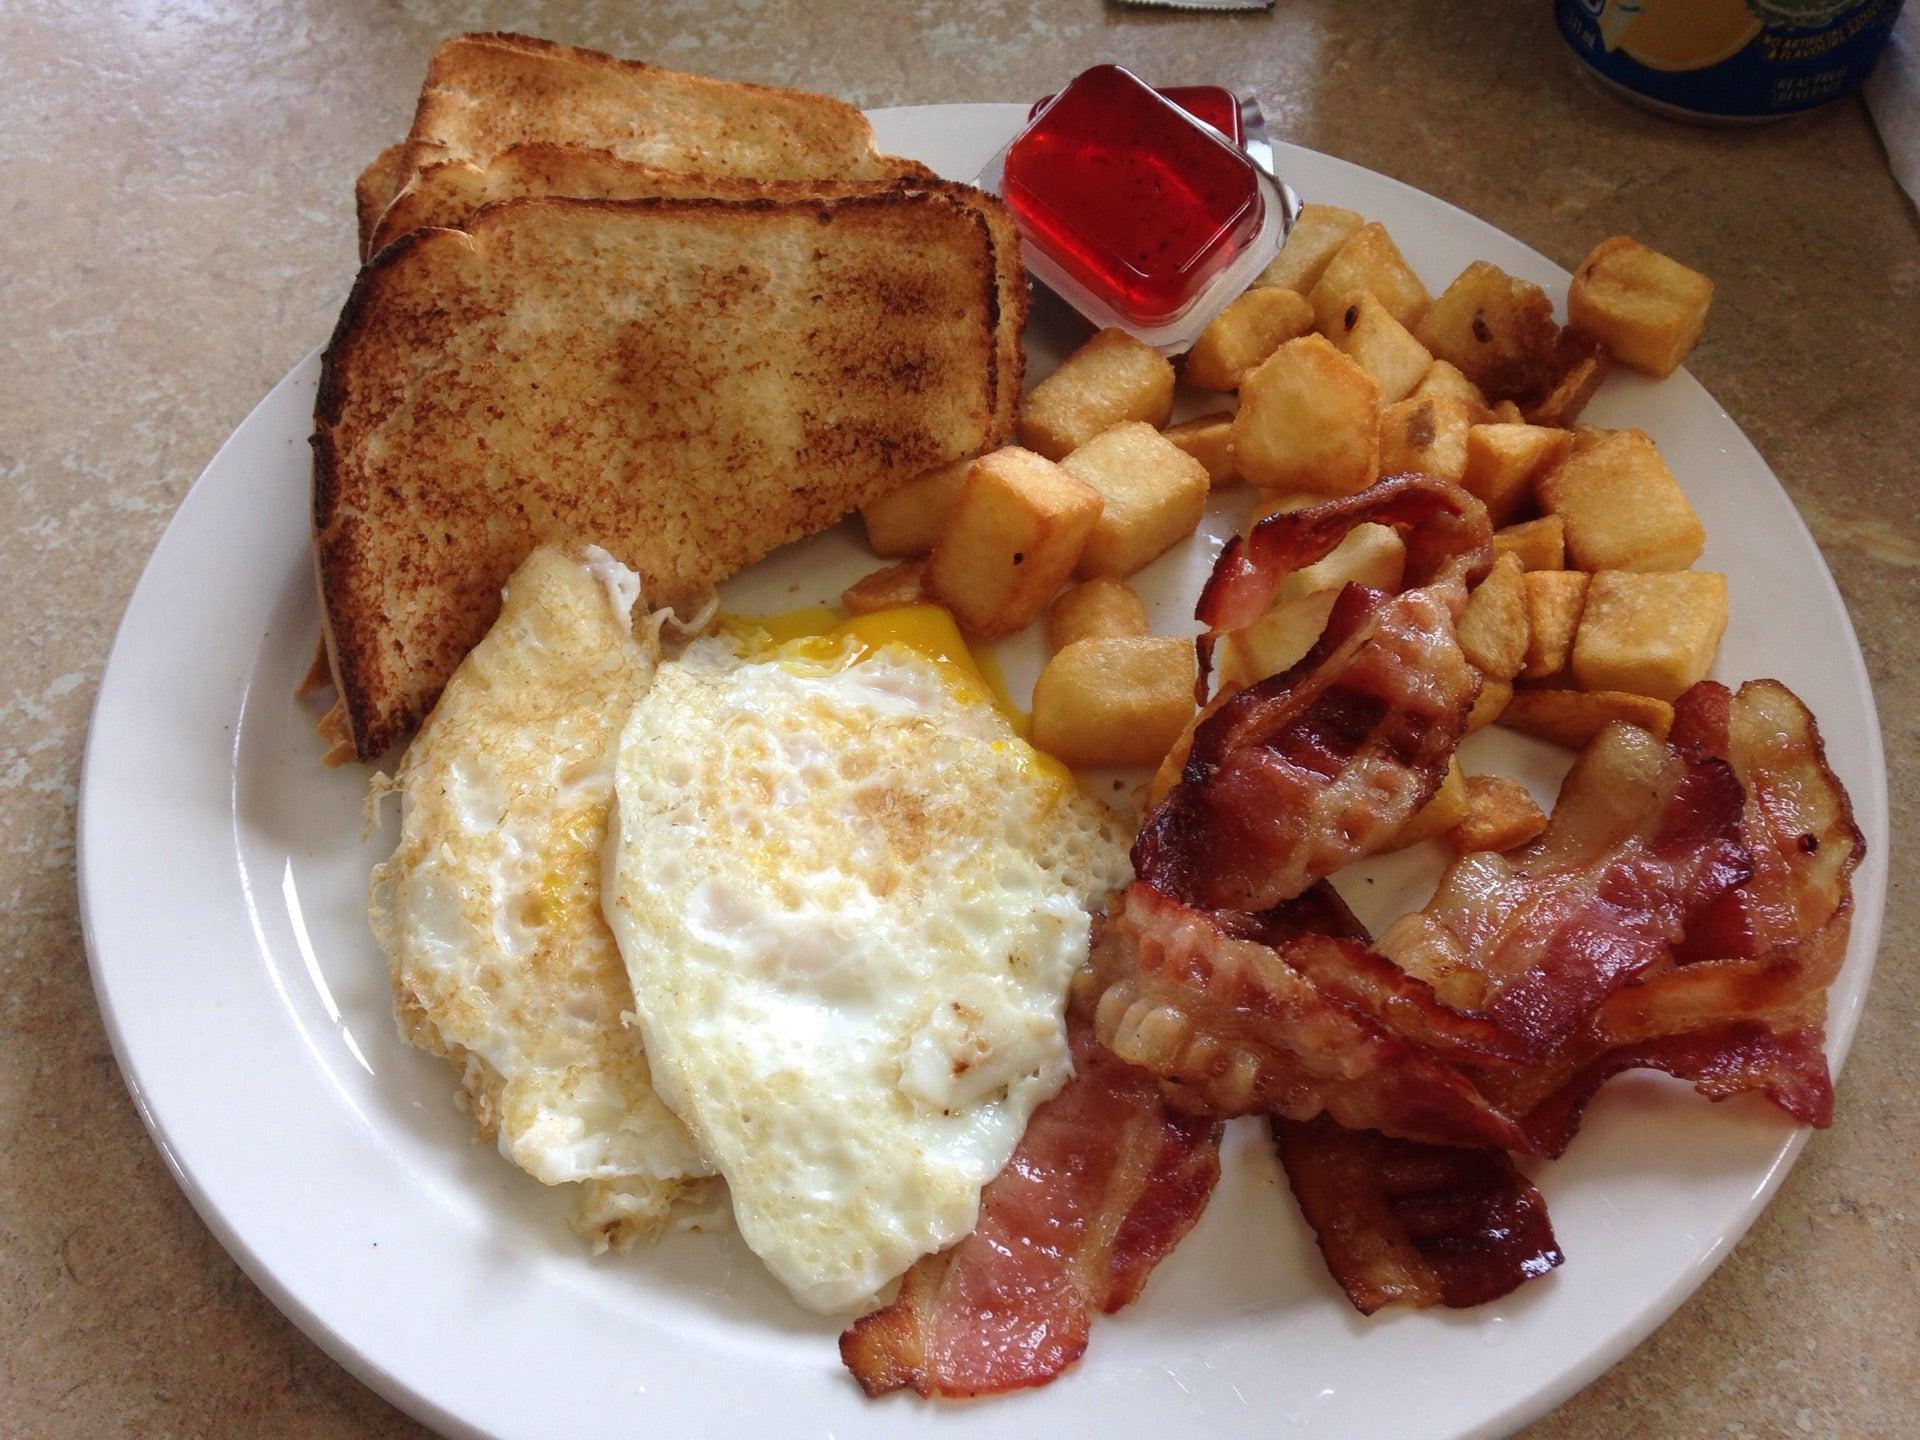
{"x": 1147, "y": 211}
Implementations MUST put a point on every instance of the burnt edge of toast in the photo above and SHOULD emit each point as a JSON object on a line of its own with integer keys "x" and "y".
{"x": 370, "y": 741}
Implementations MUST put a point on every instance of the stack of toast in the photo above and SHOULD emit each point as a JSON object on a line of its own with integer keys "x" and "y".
{"x": 686, "y": 320}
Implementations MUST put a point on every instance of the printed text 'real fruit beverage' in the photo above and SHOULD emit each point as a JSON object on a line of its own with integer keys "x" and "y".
{"x": 1729, "y": 59}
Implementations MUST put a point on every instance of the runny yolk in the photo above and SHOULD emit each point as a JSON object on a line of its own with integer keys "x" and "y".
{"x": 818, "y": 632}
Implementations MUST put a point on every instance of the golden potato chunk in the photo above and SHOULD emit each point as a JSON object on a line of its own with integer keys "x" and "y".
{"x": 1650, "y": 634}
{"x": 1318, "y": 231}
{"x": 1554, "y": 601}
{"x": 1622, "y": 507}
{"x": 1647, "y": 309}
{"x": 1255, "y": 325}
{"x": 1500, "y": 815}
{"x": 1446, "y": 809}
{"x": 1381, "y": 346}
{"x": 1016, "y": 534}
{"x": 887, "y": 589}
{"x": 1537, "y": 544}
{"x": 1209, "y": 440}
{"x": 1095, "y": 610}
{"x": 1503, "y": 461}
{"x": 1111, "y": 379}
{"x": 1370, "y": 555}
{"x": 1369, "y": 262}
{"x": 1494, "y": 628}
{"x": 1498, "y": 330}
{"x": 1308, "y": 420}
{"x": 1573, "y": 717}
{"x": 1494, "y": 695}
{"x": 1443, "y": 377}
{"x": 1427, "y": 433}
{"x": 910, "y": 519}
{"x": 1118, "y": 701}
{"x": 1154, "y": 494}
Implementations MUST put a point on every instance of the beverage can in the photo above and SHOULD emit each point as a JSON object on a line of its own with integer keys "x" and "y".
{"x": 1728, "y": 60}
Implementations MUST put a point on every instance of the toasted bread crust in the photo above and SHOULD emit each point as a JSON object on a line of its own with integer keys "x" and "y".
{"x": 485, "y": 92}
{"x": 688, "y": 382}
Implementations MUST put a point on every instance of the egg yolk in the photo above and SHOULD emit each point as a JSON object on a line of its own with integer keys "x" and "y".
{"x": 820, "y": 632}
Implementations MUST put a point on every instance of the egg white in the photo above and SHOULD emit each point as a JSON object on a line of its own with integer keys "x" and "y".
{"x": 489, "y": 909}
{"x": 850, "y": 901}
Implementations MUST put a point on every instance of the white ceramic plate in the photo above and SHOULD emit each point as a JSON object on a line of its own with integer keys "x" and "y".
{"x": 223, "y": 874}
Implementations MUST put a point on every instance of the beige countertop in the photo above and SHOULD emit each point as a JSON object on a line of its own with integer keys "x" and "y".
{"x": 175, "y": 181}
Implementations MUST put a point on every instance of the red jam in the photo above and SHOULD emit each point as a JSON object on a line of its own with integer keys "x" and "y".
{"x": 1219, "y": 108}
{"x": 1125, "y": 192}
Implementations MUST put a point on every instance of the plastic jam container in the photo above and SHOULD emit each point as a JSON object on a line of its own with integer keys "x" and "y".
{"x": 1218, "y": 107}
{"x": 1728, "y": 60}
{"x": 1135, "y": 212}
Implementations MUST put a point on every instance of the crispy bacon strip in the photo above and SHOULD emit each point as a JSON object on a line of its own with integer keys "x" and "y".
{"x": 1402, "y": 1222}
{"x": 1642, "y": 839}
{"x": 1751, "y": 1017}
{"x": 1200, "y": 1000}
{"x": 1103, "y": 1185}
{"x": 1295, "y": 776}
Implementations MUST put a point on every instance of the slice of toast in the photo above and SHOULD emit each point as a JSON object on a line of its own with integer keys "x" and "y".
{"x": 375, "y": 189}
{"x": 450, "y": 192}
{"x": 484, "y": 93}
{"x": 687, "y": 383}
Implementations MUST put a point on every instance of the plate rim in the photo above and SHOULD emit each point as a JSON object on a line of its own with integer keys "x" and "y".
{"x": 416, "y": 1401}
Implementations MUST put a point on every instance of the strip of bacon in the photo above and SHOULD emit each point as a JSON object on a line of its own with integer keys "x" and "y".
{"x": 1293, "y": 777}
{"x": 1200, "y": 1000}
{"x": 1404, "y": 1223}
{"x": 1641, "y": 839}
{"x": 1103, "y": 1185}
{"x": 1751, "y": 1017}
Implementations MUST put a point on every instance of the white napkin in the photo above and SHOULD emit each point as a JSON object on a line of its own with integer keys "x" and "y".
{"x": 1893, "y": 99}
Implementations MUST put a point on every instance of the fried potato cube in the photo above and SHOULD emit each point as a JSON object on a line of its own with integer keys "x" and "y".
{"x": 1111, "y": 379}
{"x": 1493, "y": 698}
{"x": 1537, "y": 544}
{"x": 1585, "y": 437}
{"x": 1504, "y": 460}
{"x": 1555, "y": 599}
{"x": 1154, "y": 494}
{"x": 1318, "y": 231}
{"x": 1507, "y": 412}
{"x": 909, "y": 520}
{"x": 1016, "y": 534}
{"x": 1370, "y": 555}
{"x": 1500, "y": 815}
{"x": 1308, "y": 420}
{"x": 887, "y": 589}
{"x": 1446, "y": 809}
{"x": 1494, "y": 628}
{"x": 1122, "y": 700}
{"x": 1094, "y": 610}
{"x": 1584, "y": 363}
{"x": 1368, "y": 263}
{"x": 1209, "y": 440}
{"x": 1650, "y": 634}
{"x": 1427, "y": 433}
{"x": 1255, "y": 325}
{"x": 1497, "y": 329}
{"x": 1573, "y": 717}
{"x": 1443, "y": 377}
{"x": 1622, "y": 507}
{"x": 1647, "y": 309}
{"x": 1276, "y": 642}
{"x": 1381, "y": 346}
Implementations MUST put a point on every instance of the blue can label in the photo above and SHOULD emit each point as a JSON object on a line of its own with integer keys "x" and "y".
{"x": 1733, "y": 58}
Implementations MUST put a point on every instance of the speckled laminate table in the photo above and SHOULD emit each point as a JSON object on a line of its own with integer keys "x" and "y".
{"x": 174, "y": 181}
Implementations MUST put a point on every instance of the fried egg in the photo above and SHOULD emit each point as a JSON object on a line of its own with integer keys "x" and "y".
{"x": 489, "y": 910}
{"x": 850, "y": 899}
